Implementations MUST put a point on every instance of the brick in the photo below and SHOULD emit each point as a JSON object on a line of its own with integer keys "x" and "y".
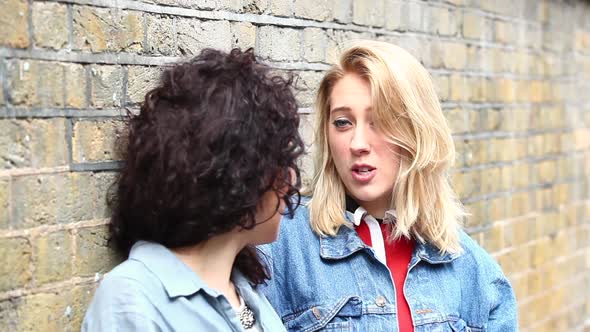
{"x": 36, "y": 83}
{"x": 505, "y": 90}
{"x": 14, "y": 270}
{"x": 306, "y": 129}
{"x": 50, "y": 25}
{"x": 52, "y": 257}
{"x": 368, "y": 12}
{"x": 101, "y": 29}
{"x": 443, "y": 21}
{"x": 160, "y": 35}
{"x": 75, "y": 86}
{"x": 457, "y": 120}
{"x": 504, "y": 32}
{"x": 140, "y": 80}
{"x": 454, "y": 55}
{"x": 546, "y": 171}
{"x": 342, "y": 11}
{"x": 414, "y": 17}
{"x": 520, "y": 204}
{"x": 92, "y": 252}
{"x": 243, "y": 35}
{"x": 319, "y": 10}
{"x": 94, "y": 141}
{"x": 4, "y": 202}
{"x": 106, "y": 86}
{"x": 48, "y": 311}
{"x": 314, "y": 45}
{"x": 307, "y": 84}
{"x": 457, "y": 87}
{"x": 33, "y": 143}
{"x": 458, "y": 184}
{"x": 79, "y": 300}
{"x": 9, "y": 313}
{"x": 489, "y": 181}
{"x": 14, "y": 18}
{"x": 279, "y": 43}
{"x": 498, "y": 208}
{"x": 520, "y": 178}
{"x": 22, "y": 82}
{"x": 494, "y": 238}
{"x": 233, "y": 5}
{"x": 478, "y": 214}
{"x": 395, "y": 18}
{"x": 473, "y": 26}
{"x": 281, "y": 7}
{"x": 194, "y": 35}
{"x": 104, "y": 182}
{"x": 76, "y": 200}
{"x": 52, "y": 198}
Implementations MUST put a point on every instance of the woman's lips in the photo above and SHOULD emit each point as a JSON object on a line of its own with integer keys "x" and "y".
{"x": 363, "y": 173}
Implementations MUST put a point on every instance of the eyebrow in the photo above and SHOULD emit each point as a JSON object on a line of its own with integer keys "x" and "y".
{"x": 341, "y": 109}
{"x": 348, "y": 109}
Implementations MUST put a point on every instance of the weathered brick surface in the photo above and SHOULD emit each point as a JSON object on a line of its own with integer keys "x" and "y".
{"x": 160, "y": 35}
{"x": 92, "y": 253}
{"x": 50, "y": 25}
{"x": 14, "y": 20}
{"x": 52, "y": 257}
{"x": 320, "y": 10}
{"x": 139, "y": 81}
{"x": 4, "y": 202}
{"x": 94, "y": 141}
{"x": 194, "y": 35}
{"x": 279, "y": 44}
{"x": 50, "y": 199}
{"x": 16, "y": 259}
{"x": 243, "y": 35}
{"x": 101, "y": 29}
{"x": 512, "y": 76}
{"x": 106, "y": 86}
{"x": 33, "y": 143}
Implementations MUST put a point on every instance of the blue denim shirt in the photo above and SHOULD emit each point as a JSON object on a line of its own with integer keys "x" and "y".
{"x": 337, "y": 284}
{"x": 154, "y": 291}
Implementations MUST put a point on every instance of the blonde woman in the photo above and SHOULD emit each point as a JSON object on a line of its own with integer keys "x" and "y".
{"x": 379, "y": 246}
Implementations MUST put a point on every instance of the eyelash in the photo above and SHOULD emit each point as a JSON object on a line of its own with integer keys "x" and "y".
{"x": 340, "y": 123}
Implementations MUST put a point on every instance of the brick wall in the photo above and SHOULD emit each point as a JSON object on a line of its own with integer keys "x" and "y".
{"x": 513, "y": 76}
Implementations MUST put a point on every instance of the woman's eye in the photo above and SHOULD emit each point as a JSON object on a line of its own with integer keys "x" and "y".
{"x": 341, "y": 123}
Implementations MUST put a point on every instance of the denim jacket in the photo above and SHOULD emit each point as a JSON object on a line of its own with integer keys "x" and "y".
{"x": 337, "y": 284}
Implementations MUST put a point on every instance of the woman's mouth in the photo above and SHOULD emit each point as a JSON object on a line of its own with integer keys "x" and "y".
{"x": 363, "y": 173}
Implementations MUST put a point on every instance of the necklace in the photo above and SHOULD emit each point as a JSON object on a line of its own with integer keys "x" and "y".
{"x": 246, "y": 315}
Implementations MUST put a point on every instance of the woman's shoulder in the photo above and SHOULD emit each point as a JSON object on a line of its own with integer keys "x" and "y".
{"x": 476, "y": 259}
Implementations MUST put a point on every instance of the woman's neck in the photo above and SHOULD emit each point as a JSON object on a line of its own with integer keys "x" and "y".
{"x": 213, "y": 261}
{"x": 376, "y": 208}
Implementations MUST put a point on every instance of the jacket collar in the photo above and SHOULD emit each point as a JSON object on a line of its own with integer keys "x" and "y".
{"x": 176, "y": 277}
{"x": 346, "y": 242}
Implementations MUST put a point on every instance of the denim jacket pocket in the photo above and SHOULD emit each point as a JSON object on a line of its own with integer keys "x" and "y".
{"x": 326, "y": 317}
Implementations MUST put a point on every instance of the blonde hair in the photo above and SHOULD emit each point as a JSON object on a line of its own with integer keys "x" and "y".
{"x": 406, "y": 109}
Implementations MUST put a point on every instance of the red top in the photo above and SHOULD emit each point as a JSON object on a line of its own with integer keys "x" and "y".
{"x": 398, "y": 255}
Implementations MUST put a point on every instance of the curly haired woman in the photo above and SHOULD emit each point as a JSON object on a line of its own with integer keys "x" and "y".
{"x": 210, "y": 165}
{"x": 379, "y": 246}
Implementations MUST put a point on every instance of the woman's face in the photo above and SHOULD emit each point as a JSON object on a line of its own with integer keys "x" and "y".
{"x": 366, "y": 163}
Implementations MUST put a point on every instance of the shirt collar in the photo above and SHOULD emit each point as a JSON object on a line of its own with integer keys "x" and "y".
{"x": 359, "y": 213}
{"x": 346, "y": 241}
{"x": 176, "y": 277}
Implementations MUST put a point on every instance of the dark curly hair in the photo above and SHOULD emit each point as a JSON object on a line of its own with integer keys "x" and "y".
{"x": 217, "y": 133}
